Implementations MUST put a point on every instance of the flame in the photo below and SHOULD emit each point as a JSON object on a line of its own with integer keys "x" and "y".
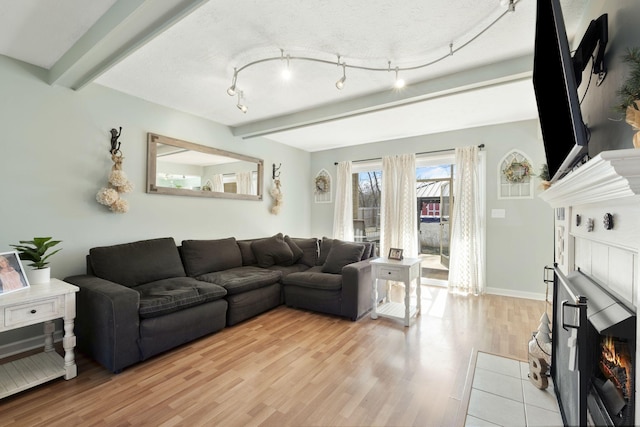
{"x": 616, "y": 356}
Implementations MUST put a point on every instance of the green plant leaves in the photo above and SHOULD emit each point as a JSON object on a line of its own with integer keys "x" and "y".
{"x": 36, "y": 250}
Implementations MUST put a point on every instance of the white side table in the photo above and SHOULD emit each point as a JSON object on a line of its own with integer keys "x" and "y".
{"x": 405, "y": 270}
{"x": 41, "y": 303}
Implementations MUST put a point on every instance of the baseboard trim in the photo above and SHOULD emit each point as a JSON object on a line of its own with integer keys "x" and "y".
{"x": 516, "y": 294}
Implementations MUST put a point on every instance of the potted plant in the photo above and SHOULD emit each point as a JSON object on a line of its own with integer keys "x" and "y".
{"x": 37, "y": 252}
{"x": 629, "y": 93}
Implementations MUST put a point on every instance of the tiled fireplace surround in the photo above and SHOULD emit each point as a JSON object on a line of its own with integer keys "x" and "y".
{"x": 608, "y": 183}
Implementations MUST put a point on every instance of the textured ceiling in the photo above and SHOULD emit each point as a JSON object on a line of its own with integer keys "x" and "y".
{"x": 182, "y": 54}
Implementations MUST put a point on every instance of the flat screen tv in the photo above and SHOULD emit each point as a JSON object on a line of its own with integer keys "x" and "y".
{"x": 556, "y": 78}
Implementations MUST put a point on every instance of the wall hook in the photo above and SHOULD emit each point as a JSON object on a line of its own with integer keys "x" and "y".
{"x": 115, "y": 144}
{"x": 276, "y": 169}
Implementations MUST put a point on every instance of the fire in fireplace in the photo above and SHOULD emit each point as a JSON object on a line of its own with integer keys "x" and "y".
{"x": 615, "y": 364}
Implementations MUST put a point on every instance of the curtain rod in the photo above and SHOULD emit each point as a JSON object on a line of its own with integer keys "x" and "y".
{"x": 481, "y": 146}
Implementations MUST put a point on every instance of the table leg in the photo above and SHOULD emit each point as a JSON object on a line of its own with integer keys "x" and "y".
{"x": 69, "y": 342}
{"x": 374, "y": 311}
{"x": 419, "y": 295}
{"x": 407, "y": 302}
{"x": 49, "y": 327}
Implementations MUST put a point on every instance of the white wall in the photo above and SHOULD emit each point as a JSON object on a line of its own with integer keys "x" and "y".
{"x": 55, "y": 157}
{"x": 518, "y": 246}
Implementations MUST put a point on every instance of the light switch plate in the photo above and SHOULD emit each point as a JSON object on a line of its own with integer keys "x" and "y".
{"x": 498, "y": 213}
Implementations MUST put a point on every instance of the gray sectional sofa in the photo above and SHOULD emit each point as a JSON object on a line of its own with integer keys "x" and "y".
{"x": 142, "y": 298}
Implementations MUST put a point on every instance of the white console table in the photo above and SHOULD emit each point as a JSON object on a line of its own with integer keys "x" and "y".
{"x": 405, "y": 270}
{"x": 41, "y": 303}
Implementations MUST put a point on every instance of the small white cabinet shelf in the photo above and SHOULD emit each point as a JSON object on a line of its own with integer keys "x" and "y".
{"x": 406, "y": 270}
{"x": 41, "y": 303}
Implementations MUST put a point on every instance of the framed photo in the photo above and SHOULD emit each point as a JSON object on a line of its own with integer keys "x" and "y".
{"x": 395, "y": 253}
{"x": 12, "y": 275}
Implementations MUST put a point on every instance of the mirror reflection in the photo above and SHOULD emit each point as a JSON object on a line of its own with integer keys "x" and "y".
{"x": 183, "y": 168}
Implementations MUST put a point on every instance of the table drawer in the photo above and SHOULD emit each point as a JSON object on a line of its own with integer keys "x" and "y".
{"x": 390, "y": 273}
{"x": 34, "y": 312}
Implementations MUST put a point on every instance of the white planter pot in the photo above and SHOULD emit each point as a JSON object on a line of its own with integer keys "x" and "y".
{"x": 39, "y": 275}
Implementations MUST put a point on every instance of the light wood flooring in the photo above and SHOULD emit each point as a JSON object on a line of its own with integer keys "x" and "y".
{"x": 290, "y": 367}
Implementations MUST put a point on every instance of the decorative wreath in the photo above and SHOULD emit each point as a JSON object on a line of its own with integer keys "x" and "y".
{"x": 322, "y": 184}
{"x": 517, "y": 171}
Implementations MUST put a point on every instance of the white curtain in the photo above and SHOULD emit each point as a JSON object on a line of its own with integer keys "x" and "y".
{"x": 343, "y": 208}
{"x": 218, "y": 183}
{"x": 398, "y": 222}
{"x": 466, "y": 265}
{"x": 244, "y": 182}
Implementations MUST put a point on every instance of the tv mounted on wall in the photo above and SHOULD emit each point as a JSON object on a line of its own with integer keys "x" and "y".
{"x": 556, "y": 77}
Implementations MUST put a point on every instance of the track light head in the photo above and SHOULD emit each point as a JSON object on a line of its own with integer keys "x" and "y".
{"x": 232, "y": 89}
{"x": 340, "y": 82}
{"x": 240, "y": 105}
{"x": 399, "y": 83}
{"x": 286, "y": 71}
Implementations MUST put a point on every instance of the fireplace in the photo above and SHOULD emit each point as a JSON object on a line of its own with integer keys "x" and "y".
{"x": 594, "y": 349}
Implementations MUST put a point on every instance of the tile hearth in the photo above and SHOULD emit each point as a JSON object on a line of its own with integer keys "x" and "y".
{"x": 502, "y": 395}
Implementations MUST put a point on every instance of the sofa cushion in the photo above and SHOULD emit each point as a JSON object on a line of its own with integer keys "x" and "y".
{"x": 242, "y": 279}
{"x": 341, "y": 254}
{"x": 169, "y": 295}
{"x": 295, "y": 249}
{"x": 272, "y": 251}
{"x": 288, "y": 269}
{"x": 314, "y": 278}
{"x": 368, "y": 249}
{"x": 136, "y": 263}
{"x": 325, "y": 247}
{"x": 248, "y": 257}
{"x": 309, "y": 250}
{"x": 205, "y": 256}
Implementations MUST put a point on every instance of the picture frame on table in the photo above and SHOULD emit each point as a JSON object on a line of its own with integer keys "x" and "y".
{"x": 395, "y": 253}
{"x": 12, "y": 274}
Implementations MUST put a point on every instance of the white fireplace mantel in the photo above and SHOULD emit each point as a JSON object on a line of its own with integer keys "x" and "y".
{"x": 610, "y": 175}
{"x": 607, "y": 185}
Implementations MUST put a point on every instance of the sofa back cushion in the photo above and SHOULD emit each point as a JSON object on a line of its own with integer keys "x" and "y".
{"x": 248, "y": 257}
{"x": 325, "y": 247}
{"x": 272, "y": 251}
{"x": 207, "y": 256}
{"x": 342, "y": 254}
{"x": 309, "y": 250}
{"x": 137, "y": 263}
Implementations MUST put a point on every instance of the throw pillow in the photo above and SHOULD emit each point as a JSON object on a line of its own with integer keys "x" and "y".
{"x": 368, "y": 246}
{"x": 272, "y": 251}
{"x": 295, "y": 249}
{"x": 341, "y": 254}
{"x": 325, "y": 247}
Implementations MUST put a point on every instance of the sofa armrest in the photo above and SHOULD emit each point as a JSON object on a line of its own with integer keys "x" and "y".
{"x": 107, "y": 321}
{"x": 356, "y": 289}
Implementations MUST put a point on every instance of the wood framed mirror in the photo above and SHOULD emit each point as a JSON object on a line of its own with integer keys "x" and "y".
{"x": 182, "y": 168}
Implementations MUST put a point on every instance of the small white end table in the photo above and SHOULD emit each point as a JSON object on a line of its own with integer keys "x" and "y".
{"x": 41, "y": 303}
{"x": 405, "y": 270}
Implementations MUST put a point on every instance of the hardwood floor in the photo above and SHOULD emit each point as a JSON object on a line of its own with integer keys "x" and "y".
{"x": 296, "y": 368}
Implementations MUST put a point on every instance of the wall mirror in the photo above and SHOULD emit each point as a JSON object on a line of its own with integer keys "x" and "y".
{"x": 183, "y": 168}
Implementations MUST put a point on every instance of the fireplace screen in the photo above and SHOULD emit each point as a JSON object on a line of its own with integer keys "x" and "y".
{"x": 594, "y": 348}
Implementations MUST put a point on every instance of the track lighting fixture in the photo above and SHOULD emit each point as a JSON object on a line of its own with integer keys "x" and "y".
{"x": 241, "y": 106}
{"x": 286, "y": 71}
{"x": 232, "y": 89}
{"x": 399, "y": 82}
{"x": 340, "y": 83}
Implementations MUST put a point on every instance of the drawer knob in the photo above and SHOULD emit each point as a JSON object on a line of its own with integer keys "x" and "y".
{"x": 33, "y": 311}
